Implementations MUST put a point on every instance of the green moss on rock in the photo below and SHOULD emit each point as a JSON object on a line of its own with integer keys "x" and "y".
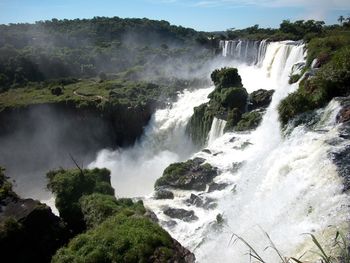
{"x": 249, "y": 121}
{"x": 331, "y": 80}
{"x": 98, "y": 207}
{"x": 192, "y": 174}
{"x": 120, "y": 238}
{"x": 233, "y": 117}
{"x": 69, "y": 186}
{"x": 226, "y": 77}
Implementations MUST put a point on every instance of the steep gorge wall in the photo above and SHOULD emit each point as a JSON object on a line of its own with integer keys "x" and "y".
{"x": 37, "y": 138}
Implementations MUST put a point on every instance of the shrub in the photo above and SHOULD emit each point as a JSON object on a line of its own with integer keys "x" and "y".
{"x": 250, "y": 120}
{"x": 226, "y": 77}
{"x": 118, "y": 239}
{"x": 294, "y": 104}
{"x": 96, "y": 208}
{"x": 70, "y": 185}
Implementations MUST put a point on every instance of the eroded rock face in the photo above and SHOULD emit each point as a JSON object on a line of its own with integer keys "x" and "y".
{"x": 190, "y": 175}
{"x": 29, "y": 231}
{"x": 182, "y": 214}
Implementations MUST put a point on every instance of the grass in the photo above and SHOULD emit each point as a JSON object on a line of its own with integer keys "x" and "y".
{"x": 339, "y": 254}
{"x": 90, "y": 92}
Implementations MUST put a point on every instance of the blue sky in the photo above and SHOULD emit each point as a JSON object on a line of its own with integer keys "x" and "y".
{"x": 207, "y": 15}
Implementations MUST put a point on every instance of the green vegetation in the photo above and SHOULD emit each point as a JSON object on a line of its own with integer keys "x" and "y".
{"x": 97, "y": 207}
{"x": 92, "y": 47}
{"x": 249, "y": 121}
{"x": 191, "y": 174}
{"x": 69, "y": 186}
{"x": 287, "y": 30}
{"x": 118, "y": 230}
{"x": 5, "y": 186}
{"x": 339, "y": 250}
{"x": 228, "y": 96}
{"x": 120, "y": 238}
{"x": 226, "y": 78}
{"x": 90, "y": 92}
{"x": 330, "y": 80}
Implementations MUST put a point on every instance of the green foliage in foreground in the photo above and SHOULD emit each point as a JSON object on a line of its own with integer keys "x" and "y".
{"x": 69, "y": 186}
{"x": 97, "y": 207}
{"x": 339, "y": 251}
{"x": 120, "y": 238}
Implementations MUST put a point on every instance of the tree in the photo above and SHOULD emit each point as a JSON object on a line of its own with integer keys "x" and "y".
{"x": 341, "y": 19}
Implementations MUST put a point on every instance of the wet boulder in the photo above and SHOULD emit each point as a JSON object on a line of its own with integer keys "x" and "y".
{"x": 249, "y": 121}
{"x": 29, "y": 231}
{"x": 163, "y": 194}
{"x": 190, "y": 175}
{"x": 206, "y": 203}
{"x": 341, "y": 160}
{"x": 216, "y": 187}
{"x": 260, "y": 99}
{"x": 182, "y": 214}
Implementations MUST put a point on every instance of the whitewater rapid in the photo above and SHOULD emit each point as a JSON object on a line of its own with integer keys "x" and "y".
{"x": 284, "y": 186}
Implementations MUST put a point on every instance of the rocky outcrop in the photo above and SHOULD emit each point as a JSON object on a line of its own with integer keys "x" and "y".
{"x": 29, "y": 231}
{"x": 216, "y": 187}
{"x": 206, "y": 203}
{"x": 182, "y": 214}
{"x": 230, "y": 102}
{"x": 249, "y": 121}
{"x": 190, "y": 175}
{"x": 163, "y": 194}
{"x": 180, "y": 255}
{"x": 260, "y": 99}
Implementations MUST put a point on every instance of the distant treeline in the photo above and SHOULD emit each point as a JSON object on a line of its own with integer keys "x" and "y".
{"x": 298, "y": 30}
{"x": 86, "y": 47}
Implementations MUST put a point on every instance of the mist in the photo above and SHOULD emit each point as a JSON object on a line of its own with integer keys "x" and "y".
{"x": 44, "y": 137}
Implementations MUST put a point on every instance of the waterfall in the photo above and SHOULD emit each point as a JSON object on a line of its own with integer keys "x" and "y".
{"x": 216, "y": 130}
{"x": 134, "y": 170}
{"x": 284, "y": 186}
{"x": 248, "y": 51}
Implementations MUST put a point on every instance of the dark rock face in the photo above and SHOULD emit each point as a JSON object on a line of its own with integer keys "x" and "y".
{"x": 29, "y": 231}
{"x": 41, "y": 137}
{"x": 189, "y": 175}
{"x": 343, "y": 115}
{"x": 260, "y": 99}
{"x": 163, "y": 194}
{"x": 341, "y": 160}
{"x": 185, "y": 215}
{"x": 195, "y": 200}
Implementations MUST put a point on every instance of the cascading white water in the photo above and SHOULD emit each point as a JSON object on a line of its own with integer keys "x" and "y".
{"x": 134, "y": 170}
{"x": 216, "y": 130}
{"x": 285, "y": 187}
{"x": 246, "y": 51}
